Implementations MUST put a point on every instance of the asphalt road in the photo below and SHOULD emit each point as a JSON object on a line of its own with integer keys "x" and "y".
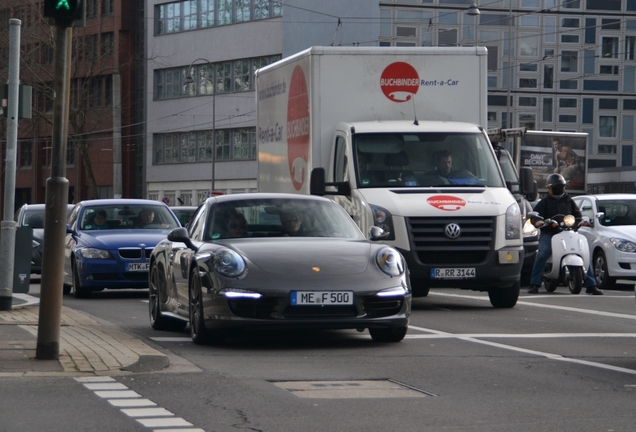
{"x": 554, "y": 362}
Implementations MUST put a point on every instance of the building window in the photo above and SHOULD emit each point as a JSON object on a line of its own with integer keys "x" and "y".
{"x": 108, "y": 7}
{"x": 527, "y": 82}
{"x": 528, "y": 121}
{"x": 528, "y": 67}
{"x": 569, "y": 38}
{"x": 568, "y": 102}
{"x": 527, "y": 101}
{"x": 25, "y": 154}
{"x": 108, "y": 44}
{"x": 70, "y": 153}
{"x": 189, "y": 147}
{"x": 547, "y": 110}
{"x": 609, "y": 48}
{"x": 548, "y": 76}
{"x": 569, "y": 61}
{"x": 91, "y": 8}
{"x": 195, "y": 14}
{"x": 229, "y": 77}
{"x": 608, "y": 70}
{"x": 607, "y": 126}
{"x": 529, "y": 45}
{"x": 606, "y": 149}
{"x": 567, "y": 118}
{"x": 571, "y": 4}
{"x": 630, "y": 41}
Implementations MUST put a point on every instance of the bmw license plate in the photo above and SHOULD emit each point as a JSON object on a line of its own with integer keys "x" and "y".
{"x": 137, "y": 267}
{"x": 321, "y": 298}
{"x": 453, "y": 273}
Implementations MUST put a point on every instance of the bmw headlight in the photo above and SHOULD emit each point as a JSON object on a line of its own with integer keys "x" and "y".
{"x": 623, "y": 245}
{"x": 93, "y": 253}
{"x": 390, "y": 261}
{"x": 513, "y": 222}
{"x": 383, "y": 219}
{"x": 229, "y": 263}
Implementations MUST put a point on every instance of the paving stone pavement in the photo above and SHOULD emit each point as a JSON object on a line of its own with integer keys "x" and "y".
{"x": 87, "y": 347}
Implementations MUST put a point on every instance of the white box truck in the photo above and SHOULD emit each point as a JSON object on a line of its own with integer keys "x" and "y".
{"x": 368, "y": 126}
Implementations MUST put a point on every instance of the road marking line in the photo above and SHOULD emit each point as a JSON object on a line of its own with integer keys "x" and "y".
{"x": 526, "y": 351}
{"x": 129, "y": 403}
{"x": 152, "y": 417}
{"x": 564, "y": 308}
{"x": 147, "y": 412}
{"x": 517, "y": 336}
{"x": 171, "y": 339}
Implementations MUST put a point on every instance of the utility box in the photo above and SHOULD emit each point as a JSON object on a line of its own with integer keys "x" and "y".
{"x": 22, "y": 260}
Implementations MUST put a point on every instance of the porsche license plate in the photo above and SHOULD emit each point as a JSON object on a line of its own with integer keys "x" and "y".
{"x": 299, "y": 298}
{"x": 137, "y": 267}
{"x": 453, "y": 273}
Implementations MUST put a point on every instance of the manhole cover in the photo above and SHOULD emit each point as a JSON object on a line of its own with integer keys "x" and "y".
{"x": 351, "y": 389}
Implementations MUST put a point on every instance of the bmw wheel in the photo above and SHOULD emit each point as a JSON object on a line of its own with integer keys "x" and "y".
{"x": 78, "y": 290}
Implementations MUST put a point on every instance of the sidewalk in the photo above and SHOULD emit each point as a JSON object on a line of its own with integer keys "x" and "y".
{"x": 86, "y": 346}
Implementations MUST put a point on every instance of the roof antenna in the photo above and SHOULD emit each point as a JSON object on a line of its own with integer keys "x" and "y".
{"x": 334, "y": 35}
{"x": 415, "y": 122}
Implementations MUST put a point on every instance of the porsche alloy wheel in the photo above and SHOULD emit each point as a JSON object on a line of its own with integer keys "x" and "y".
{"x": 157, "y": 320}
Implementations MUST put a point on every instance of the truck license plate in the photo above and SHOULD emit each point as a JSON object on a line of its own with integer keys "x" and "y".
{"x": 137, "y": 267}
{"x": 321, "y": 298}
{"x": 453, "y": 273}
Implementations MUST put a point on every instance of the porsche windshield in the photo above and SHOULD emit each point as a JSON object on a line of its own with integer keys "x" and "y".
{"x": 425, "y": 160}
{"x": 280, "y": 218}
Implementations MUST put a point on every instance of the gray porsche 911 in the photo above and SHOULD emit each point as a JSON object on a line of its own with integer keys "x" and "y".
{"x": 258, "y": 260}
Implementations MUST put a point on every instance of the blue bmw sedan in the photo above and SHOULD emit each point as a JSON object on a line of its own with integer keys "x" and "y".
{"x": 108, "y": 243}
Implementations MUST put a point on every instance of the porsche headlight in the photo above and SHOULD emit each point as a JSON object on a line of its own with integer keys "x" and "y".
{"x": 513, "y": 222}
{"x": 93, "y": 253}
{"x": 569, "y": 220}
{"x": 390, "y": 261}
{"x": 229, "y": 263}
{"x": 233, "y": 293}
{"x": 623, "y": 245}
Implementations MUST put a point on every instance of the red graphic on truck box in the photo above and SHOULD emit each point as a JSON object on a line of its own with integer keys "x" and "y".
{"x": 446, "y": 202}
{"x": 298, "y": 128}
{"x": 399, "y": 82}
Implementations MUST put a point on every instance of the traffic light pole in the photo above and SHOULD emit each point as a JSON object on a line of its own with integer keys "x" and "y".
{"x": 48, "y": 344}
{"x": 7, "y": 226}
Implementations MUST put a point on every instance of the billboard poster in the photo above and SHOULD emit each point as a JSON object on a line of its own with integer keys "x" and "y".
{"x": 556, "y": 152}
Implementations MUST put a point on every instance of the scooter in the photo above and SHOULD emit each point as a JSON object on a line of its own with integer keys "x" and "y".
{"x": 570, "y": 257}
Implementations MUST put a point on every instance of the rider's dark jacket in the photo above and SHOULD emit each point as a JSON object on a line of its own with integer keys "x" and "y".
{"x": 551, "y": 206}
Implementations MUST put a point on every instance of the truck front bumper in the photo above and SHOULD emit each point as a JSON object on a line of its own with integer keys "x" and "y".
{"x": 500, "y": 269}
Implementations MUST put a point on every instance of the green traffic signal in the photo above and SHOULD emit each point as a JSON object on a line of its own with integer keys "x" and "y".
{"x": 64, "y": 11}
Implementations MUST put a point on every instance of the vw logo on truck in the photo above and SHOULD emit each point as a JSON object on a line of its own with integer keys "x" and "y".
{"x": 399, "y": 82}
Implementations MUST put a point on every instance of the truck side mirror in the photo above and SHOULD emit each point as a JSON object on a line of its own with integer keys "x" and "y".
{"x": 317, "y": 182}
{"x": 528, "y": 184}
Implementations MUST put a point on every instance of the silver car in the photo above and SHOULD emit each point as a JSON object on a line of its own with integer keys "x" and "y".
{"x": 611, "y": 236}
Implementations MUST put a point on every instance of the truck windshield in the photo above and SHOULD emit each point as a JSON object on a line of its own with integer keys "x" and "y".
{"x": 424, "y": 160}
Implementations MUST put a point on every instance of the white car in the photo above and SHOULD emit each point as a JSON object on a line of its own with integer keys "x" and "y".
{"x": 611, "y": 235}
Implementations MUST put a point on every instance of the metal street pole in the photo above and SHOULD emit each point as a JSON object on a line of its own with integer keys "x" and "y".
{"x": 117, "y": 168}
{"x": 48, "y": 345}
{"x": 7, "y": 226}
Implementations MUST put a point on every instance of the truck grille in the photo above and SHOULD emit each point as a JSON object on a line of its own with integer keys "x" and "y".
{"x": 431, "y": 246}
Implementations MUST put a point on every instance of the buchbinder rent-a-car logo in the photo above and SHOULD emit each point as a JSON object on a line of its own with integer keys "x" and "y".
{"x": 399, "y": 82}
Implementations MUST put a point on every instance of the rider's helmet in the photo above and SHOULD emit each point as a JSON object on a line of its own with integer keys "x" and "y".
{"x": 555, "y": 184}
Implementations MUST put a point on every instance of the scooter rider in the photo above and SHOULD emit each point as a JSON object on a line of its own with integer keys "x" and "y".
{"x": 557, "y": 202}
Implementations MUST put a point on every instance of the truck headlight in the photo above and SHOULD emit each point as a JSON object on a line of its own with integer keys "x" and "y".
{"x": 513, "y": 222}
{"x": 383, "y": 219}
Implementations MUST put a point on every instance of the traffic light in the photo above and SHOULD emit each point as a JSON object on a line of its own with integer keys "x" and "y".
{"x": 64, "y": 10}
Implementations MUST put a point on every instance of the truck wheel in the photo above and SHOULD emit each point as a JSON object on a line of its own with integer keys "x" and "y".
{"x": 504, "y": 298}
{"x": 388, "y": 334}
{"x": 575, "y": 279}
{"x": 601, "y": 272}
{"x": 419, "y": 289}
